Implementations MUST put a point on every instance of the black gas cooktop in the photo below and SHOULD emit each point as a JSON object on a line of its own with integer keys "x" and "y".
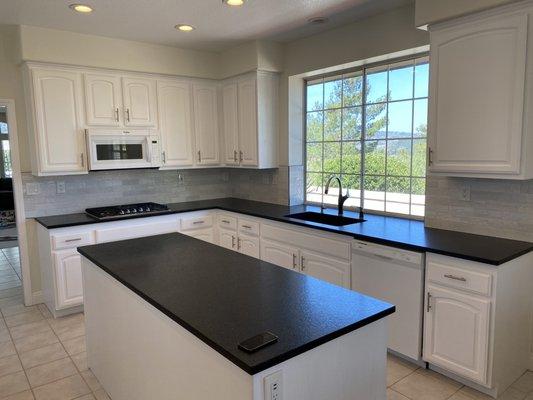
{"x": 127, "y": 210}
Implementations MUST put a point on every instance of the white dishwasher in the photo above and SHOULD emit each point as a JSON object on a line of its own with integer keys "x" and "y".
{"x": 395, "y": 276}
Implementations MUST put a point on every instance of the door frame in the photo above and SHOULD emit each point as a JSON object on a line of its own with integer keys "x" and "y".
{"x": 20, "y": 214}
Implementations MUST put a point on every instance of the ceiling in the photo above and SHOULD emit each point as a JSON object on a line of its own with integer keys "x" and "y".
{"x": 218, "y": 26}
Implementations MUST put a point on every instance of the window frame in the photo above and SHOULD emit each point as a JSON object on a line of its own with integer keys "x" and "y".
{"x": 361, "y": 69}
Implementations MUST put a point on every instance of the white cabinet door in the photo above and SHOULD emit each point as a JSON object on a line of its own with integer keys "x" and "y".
{"x": 231, "y": 124}
{"x": 456, "y": 332}
{"x": 279, "y": 254}
{"x": 175, "y": 122}
{"x": 202, "y": 234}
{"x": 325, "y": 268}
{"x": 68, "y": 278}
{"x": 206, "y": 124}
{"x": 227, "y": 239}
{"x": 103, "y": 100}
{"x": 140, "y": 102}
{"x": 58, "y": 103}
{"x": 247, "y": 122}
{"x": 477, "y": 96}
{"x": 249, "y": 245}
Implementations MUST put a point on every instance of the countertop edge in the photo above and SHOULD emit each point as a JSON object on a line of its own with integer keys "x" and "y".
{"x": 257, "y": 368}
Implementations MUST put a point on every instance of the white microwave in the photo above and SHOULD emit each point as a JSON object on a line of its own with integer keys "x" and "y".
{"x": 122, "y": 149}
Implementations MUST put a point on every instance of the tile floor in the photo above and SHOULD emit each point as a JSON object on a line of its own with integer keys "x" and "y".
{"x": 42, "y": 358}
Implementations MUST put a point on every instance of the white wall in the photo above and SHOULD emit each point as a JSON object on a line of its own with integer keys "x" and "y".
{"x": 431, "y": 11}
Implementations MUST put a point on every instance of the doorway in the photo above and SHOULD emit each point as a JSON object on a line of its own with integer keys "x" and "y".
{"x": 14, "y": 264}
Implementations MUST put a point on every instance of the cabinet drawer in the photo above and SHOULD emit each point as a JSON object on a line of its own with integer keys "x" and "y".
{"x": 227, "y": 222}
{"x": 70, "y": 240}
{"x": 459, "y": 278}
{"x": 131, "y": 231}
{"x": 248, "y": 227}
{"x": 188, "y": 224}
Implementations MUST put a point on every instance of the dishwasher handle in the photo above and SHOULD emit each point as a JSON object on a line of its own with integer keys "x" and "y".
{"x": 387, "y": 253}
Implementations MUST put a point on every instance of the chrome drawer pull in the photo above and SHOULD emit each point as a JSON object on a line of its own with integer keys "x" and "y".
{"x": 455, "y": 278}
{"x": 72, "y": 240}
{"x": 198, "y": 222}
{"x": 247, "y": 226}
{"x": 225, "y": 221}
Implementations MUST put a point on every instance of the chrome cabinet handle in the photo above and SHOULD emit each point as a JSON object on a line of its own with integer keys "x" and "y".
{"x": 116, "y": 115}
{"x": 428, "y": 304}
{"x": 293, "y": 261}
{"x": 72, "y": 240}
{"x": 302, "y": 263}
{"x": 235, "y": 155}
{"x": 455, "y": 278}
{"x": 232, "y": 242}
{"x": 82, "y": 156}
{"x": 164, "y": 154}
{"x": 199, "y": 156}
{"x": 127, "y": 114}
{"x": 225, "y": 221}
{"x": 247, "y": 226}
{"x": 387, "y": 258}
{"x": 240, "y": 156}
{"x": 238, "y": 243}
{"x": 198, "y": 222}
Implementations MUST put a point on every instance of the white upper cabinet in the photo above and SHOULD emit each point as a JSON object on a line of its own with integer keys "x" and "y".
{"x": 103, "y": 100}
{"x": 476, "y": 113}
{"x": 58, "y": 147}
{"x": 250, "y": 117}
{"x": 139, "y": 102}
{"x": 175, "y": 123}
{"x": 231, "y": 124}
{"x": 206, "y": 124}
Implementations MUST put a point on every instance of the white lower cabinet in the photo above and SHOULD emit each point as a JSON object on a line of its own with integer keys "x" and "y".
{"x": 230, "y": 235}
{"x": 206, "y": 235}
{"x": 457, "y": 332}
{"x": 325, "y": 268}
{"x": 227, "y": 238}
{"x": 280, "y": 254}
{"x": 67, "y": 266}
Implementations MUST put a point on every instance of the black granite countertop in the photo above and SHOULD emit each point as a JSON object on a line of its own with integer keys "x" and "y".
{"x": 224, "y": 297}
{"x": 398, "y": 232}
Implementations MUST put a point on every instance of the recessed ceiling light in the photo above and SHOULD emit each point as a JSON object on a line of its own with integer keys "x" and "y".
{"x": 81, "y": 8}
{"x": 184, "y": 27}
{"x": 233, "y": 2}
{"x": 317, "y": 20}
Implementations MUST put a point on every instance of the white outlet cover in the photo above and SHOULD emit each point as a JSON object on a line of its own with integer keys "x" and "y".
{"x": 274, "y": 386}
{"x": 60, "y": 187}
{"x": 32, "y": 188}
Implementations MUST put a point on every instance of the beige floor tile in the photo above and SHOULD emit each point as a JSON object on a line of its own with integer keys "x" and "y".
{"x": 7, "y": 349}
{"x": 81, "y": 361}
{"x": 524, "y": 383}
{"x": 31, "y": 342}
{"x": 2, "y": 323}
{"x": 26, "y": 395}
{"x": 5, "y": 293}
{"x": 9, "y": 301}
{"x": 58, "y": 323}
{"x": 86, "y": 397}
{"x": 512, "y": 394}
{"x": 30, "y": 329}
{"x": 398, "y": 369}
{"x": 8, "y": 311}
{"x": 466, "y": 393}
{"x": 91, "y": 380}
{"x": 50, "y": 372}
{"x": 392, "y": 395}
{"x": 42, "y": 355}
{"x": 45, "y": 311}
{"x": 426, "y": 385}
{"x": 10, "y": 364}
{"x": 64, "y": 389}
{"x": 13, "y": 383}
{"x": 71, "y": 331}
{"x": 101, "y": 394}
{"x": 4, "y": 335}
{"x": 75, "y": 346}
{"x": 6, "y": 277}
{"x": 10, "y": 285}
{"x": 24, "y": 318}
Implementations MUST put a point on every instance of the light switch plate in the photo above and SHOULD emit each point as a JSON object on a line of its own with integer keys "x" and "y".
{"x": 33, "y": 188}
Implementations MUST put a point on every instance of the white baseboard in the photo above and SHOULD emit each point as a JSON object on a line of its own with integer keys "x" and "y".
{"x": 37, "y": 297}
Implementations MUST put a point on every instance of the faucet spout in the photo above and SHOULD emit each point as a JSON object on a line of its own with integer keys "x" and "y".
{"x": 341, "y": 198}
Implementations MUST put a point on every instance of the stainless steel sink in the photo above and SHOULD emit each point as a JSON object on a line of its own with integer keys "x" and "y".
{"x": 326, "y": 219}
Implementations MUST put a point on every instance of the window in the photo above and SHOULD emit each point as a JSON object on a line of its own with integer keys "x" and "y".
{"x": 369, "y": 127}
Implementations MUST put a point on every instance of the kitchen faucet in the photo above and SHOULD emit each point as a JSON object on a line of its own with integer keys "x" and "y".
{"x": 342, "y": 198}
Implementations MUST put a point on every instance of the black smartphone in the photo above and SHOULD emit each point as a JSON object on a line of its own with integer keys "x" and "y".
{"x": 258, "y": 342}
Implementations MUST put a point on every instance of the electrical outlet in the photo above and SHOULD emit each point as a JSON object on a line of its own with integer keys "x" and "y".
{"x": 60, "y": 187}
{"x": 32, "y": 188}
{"x": 180, "y": 178}
{"x": 465, "y": 193}
{"x": 274, "y": 386}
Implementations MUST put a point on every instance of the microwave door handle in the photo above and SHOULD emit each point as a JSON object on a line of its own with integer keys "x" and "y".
{"x": 148, "y": 149}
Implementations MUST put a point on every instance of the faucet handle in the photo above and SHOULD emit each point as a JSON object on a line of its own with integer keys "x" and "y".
{"x": 347, "y": 196}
